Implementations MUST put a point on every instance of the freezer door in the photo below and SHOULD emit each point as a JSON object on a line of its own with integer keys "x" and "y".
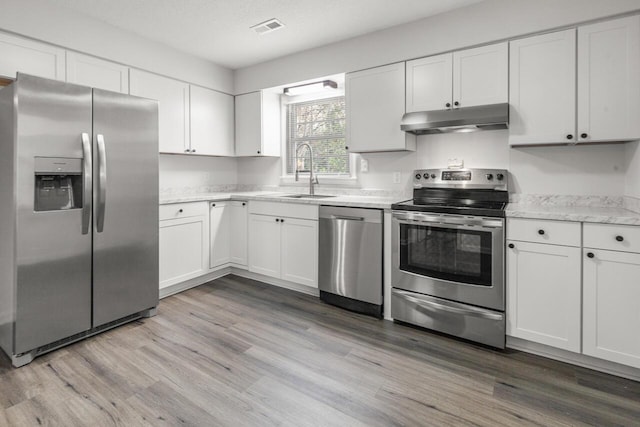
{"x": 53, "y": 245}
{"x": 125, "y": 229}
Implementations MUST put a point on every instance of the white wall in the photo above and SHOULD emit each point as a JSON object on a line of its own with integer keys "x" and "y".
{"x": 480, "y": 23}
{"x": 178, "y": 171}
{"x": 632, "y": 156}
{"x": 44, "y": 20}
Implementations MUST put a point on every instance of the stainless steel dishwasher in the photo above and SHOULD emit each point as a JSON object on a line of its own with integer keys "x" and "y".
{"x": 350, "y": 265}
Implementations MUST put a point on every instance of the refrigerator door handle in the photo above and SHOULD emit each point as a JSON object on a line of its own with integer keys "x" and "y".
{"x": 87, "y": 183}
{"x": 102, "y": 182}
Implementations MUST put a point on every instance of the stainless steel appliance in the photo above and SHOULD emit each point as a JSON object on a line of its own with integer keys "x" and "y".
{"x": 79, "y": 213}
{"x": 350, "y": 264}
{"x": 448, "y": 254}
{"x": 457, "y": 119}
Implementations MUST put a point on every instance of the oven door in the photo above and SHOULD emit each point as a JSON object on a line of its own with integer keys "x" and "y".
{"x": 449, "y": 256}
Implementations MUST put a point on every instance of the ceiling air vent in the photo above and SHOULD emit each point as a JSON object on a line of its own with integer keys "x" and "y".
{"x": 267, "y": 26}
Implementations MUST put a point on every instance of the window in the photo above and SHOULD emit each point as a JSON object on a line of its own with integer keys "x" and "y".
{"x": 321, "y": 124}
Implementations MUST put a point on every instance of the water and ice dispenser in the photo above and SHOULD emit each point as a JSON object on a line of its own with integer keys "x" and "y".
{"x": 58, "y": 184}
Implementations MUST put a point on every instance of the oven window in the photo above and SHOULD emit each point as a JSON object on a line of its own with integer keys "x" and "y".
{"x": 452, "y": 254}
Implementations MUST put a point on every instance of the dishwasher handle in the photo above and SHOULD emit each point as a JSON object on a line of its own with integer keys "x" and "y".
{"x": 347, "y": 218}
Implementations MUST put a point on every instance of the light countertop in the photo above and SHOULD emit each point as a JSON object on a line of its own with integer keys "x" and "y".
{"x": 604, "y": 215}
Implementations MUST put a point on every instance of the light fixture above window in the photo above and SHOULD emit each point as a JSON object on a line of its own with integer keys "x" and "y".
{"x": 310, "y": 87}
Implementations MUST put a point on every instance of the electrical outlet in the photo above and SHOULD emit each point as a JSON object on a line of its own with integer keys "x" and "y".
{"x": 396, "y": 177}
{"x": 364, "y": 165}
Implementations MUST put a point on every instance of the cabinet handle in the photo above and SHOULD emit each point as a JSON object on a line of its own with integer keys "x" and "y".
{"x": 619, "y": 238}
{"x": 448, "y": 105}
{"x": 193, "y": 150}
{"x": 541, "y": 232}
{"x": 569, "y": 136}
{"x": 277, "y": 219}
{"x": 346, "y": 148}
{"x": 590, "y": 254}
{"x": 258, "y": 151}
{"x": 282, "y": 220}
{"x": 244, "y": 204}
{"x": 179, "y": 210}
{"x": 511, "y": 246}
{"x": 456, "y": 103}
{"x": 186, "y": 151}
{"x": 213, "y": 205}
{"x": 583, "y": 135}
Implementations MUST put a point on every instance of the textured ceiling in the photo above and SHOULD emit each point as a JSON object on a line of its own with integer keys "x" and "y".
{"x": 218, "y": 30}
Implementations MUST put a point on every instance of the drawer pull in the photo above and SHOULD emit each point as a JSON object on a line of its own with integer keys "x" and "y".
{"x": 511, "y": 246}
{"x": 213, "y": 205}
{"x": 180, "y": 211}
{"x": 541, "y": 232}
{"x": 619, "y": 238}
{"x": 277, "y": 219}
{"x": 244, "y": 204}
{"x": 590, "y": 254}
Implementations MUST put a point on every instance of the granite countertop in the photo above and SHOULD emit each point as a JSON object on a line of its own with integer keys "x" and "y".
{"x": 604, "y": 215}
{"x": 341, "y": 200}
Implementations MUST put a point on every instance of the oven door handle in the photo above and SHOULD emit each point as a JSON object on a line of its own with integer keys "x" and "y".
{"x": 450, "y": 307}
{"x": 411, "y": 218}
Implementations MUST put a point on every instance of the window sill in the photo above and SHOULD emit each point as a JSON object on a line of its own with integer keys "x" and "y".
{"x": 338, "y": 181}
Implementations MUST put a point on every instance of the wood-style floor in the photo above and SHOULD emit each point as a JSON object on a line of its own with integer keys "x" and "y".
{"x": 236, "y": 352}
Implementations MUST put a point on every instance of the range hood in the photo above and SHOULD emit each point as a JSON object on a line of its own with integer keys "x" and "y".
{"x": 465, "y": 119}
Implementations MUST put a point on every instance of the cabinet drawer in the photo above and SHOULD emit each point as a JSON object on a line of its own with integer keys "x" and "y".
{"x": 544, "y": 231}
{"x": 287, "y": 210}
{"x": 183, "y": 210}
{"x": 613, "y": 237}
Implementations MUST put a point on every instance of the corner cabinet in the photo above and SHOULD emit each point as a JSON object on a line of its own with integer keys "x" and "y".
{"x": 184, "y": 249}
{"x": 546, "y": 108}
{"x": 611, "y": 292}
{"x": 228, "y": 233}
{"x": 257, "y": 124}
{"x": 18, "y": 54}
{"x": 173, "y": 108}
{"x": 212, "y": 122}
{"x": 463, "y": 78}
{"x": 90, "y": 71}
{"x": 543, "y": 282}
{"x": 283, "y": 241}
{"x": 375, "y": 102}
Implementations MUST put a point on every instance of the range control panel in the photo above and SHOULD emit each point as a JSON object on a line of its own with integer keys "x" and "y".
{"x": 461, "y": 178}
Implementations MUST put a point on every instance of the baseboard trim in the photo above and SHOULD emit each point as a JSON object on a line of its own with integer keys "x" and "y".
{"x": 574, "y": 358}
{"x": 276, "y": 282}
{"x": 192, "y": 283}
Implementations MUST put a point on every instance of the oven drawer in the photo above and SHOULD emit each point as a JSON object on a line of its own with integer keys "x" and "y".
{"x": 544, "y": 231}
{"x": 614, "y": 237}
{"x": 462, "y": 320}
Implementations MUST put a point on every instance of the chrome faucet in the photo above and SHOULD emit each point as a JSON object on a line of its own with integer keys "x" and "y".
{"x": 312, "y": 179}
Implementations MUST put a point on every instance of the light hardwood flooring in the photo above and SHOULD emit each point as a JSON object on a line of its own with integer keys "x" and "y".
{"x": 237, "y": 352}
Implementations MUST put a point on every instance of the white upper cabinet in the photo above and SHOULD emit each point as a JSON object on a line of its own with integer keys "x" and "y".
{"x": 212, "y": 123}
{"x": 609, "y": 80}
{"x": 26, "y": 56}
{"x": 375, "y": 100}
{"x": 94, "y": 72}
{"x": 464, "y": 78}
{"x": 429, "y": 83}
{"x": 258, "y": 124}
{"x": 545, "y": 107}
{"x": 542, "y": 106}
{"x": 481, "y": 75}
{"x": 173, "y": 109}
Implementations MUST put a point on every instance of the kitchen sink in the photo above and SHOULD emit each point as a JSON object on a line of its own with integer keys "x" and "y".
{"x": 307, "y": 196}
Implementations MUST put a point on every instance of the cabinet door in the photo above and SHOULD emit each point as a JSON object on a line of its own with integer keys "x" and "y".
{"x": 429, "y": 83}
{"x": 543, "y": 294}
{"x": 249, "y": 124}
{"x": 212, "y": 124}
{"x": 220, "y": 232}
{"x": 300, "y": 251}
{"x": 264, "y": 245}
{"x": 608, "y": 82}
{"x": 480, "y": 76}
{"x": 375, "y": 106}
{"x": 238, "y": 214}
{"x": 173, "y": 108}
{"x": 542, "y": 95}
{"x": 26, "y": 56}
{"x": 183, "y": 249}
{"x": 89, "y": 71}
{"x": 612, "y": 306}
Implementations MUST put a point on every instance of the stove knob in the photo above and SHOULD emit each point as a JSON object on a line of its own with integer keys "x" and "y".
{"x": 433, "y": 175}
{"x": 426, "y": 176}
{"x": 418, "y": 176}
{"x": 500, "y": 177}
{"x": 489, "y": 176}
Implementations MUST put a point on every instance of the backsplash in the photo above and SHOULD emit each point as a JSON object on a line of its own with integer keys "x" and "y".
{"x": 167, "y": 192}
{"x": 631, "y": 203}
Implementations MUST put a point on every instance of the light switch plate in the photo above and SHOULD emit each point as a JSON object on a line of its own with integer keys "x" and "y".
{"x": 396, "y": 177}
{"x": 364, "y": 165}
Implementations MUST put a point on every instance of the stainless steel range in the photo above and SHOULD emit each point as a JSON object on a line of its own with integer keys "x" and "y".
{"x": 448, "y": 254}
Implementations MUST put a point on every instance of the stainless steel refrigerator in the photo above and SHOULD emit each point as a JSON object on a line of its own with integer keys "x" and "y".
{"x": 78, "y": 213}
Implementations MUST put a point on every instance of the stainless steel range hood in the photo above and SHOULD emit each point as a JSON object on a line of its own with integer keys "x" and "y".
{"x": 465, "y": 119}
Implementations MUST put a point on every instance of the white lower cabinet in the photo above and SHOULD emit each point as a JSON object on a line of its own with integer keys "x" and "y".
{"x": 283, "y": 242}
{"x": 611, "y": 294}
{"x": 228, "y": 233}
{"x": 238, "y": 218}
{"x": 183, "y": 239}
{"x": 543, "y": 294}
